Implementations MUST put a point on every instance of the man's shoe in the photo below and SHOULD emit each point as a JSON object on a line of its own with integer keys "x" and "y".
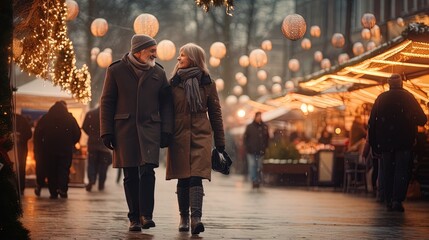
{"x": 397, "y": 207}
{"x": 100, "y": 187}
{"x": 88, "y": 187}
{"x": 135, "y": 226}
{"x": 37, "y": 191}
{"x": 53, "y": 197}
{"x": 147, "y": 223}
{"x": 63, "y": 194}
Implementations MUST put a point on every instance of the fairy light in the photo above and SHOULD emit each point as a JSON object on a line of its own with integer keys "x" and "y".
{"x": 206, "y": 4}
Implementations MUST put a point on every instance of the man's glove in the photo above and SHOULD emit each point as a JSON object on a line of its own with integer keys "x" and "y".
{"x": 165, "y": 139}
{"x": 220, "y": 149}
{"x": 109, "y": 141}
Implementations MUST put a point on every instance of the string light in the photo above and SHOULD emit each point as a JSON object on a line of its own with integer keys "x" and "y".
{"x": 206, "y": 4}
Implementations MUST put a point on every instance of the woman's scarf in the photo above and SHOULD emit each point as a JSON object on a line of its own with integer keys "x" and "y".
{"x": 138, "y": 67}
{"x": 190, "y": 78}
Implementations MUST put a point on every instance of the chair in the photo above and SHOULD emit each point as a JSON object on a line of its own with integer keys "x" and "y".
{"x": 354, "y": 173}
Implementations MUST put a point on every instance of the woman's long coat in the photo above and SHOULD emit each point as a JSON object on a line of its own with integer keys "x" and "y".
{"x": 135, "y": 111}
{"x": 189, "y": 153}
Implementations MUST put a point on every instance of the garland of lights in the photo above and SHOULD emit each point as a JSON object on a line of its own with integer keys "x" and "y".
{"x": 206, "y": 4}
{"x": 47, "y": 52}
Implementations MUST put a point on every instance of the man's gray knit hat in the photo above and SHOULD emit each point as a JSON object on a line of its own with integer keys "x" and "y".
{"x": 140, "y": 42}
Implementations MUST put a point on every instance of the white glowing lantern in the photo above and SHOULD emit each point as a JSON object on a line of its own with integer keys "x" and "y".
{"x": 95, "y": 51}
{"x": 276, "y": 88}
{"x": 267, "y": 45}
{"x": 306, "y": 44}
{"x": 231, "y": 100}
{"x": 244, "y": 61}
{"x": 289, "y": 85}
{"x": 220, "y": 84}
{"x": 358, "y": 48}
{"x": 93, "y": 57}
{"x": 99, "y": 27}
{"x": 370, "y": 45}
{"x": 400, "y": 22}
{"x": 243, "y": 99}
{"x": 366, "y": 34}
{"x": 72, "y": 10}
{"x": 214, "y": 62}
{"x": 368, "y": 20}
{"x": 109, "y": 50}
{"x": 318, "y": 56}
{"x": 310, "y": 108}
{"x": 242, "y": 80}
{"x": 338, "y": 40}
{"x": 304, "y": 108}
{"x": 104, "y": 59}
{"x": 241, "y": 112}
{"x": 294, "y": 27}
{"x": 315, "y": 31}
{"x": 262, "y": 90}
{"x": 343, "y": 57}
{"x": 237, "y": 90}
{"x": 258, "y": 58}
{"x": 325, "y": 63}
{"x": 293, "y": 65}
{"x": 262, "y": 75}
{"x": 238, "y": 75}
{"x": 17, "y": 47}
{"x": 276, "y": 79}
{"x": 146, "y": 24}
{"x": 375, "y": 32}
{"x": 166, "y": 50}
{"x": 218, "y": 50}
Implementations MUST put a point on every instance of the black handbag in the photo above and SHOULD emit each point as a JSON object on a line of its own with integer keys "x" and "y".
{"x": 221, "y": 162}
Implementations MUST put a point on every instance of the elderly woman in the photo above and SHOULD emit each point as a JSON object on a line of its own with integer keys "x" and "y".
{"x": 197, "y": 114}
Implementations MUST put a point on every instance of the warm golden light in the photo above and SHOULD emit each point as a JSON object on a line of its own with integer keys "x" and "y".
{"x": 146, "y": 24}
{"x": 99, "y": 27}
{"x": 258, "y": 58}
{"x": 294, "y": 27}
{"x": 218, "y": 50}
{"x": 166, "y": 50}
{"x": 241, "y": 113}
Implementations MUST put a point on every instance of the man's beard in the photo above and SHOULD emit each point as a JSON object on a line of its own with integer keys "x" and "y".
{"x": 151, "y": 62}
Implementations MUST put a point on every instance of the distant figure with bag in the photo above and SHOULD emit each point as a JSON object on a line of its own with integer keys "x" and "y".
{"x": 198, "y": 117}
{"x": 256, "y": 138}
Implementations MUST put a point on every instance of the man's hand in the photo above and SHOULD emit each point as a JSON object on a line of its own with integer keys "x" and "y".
{"x": 109, "y": 141}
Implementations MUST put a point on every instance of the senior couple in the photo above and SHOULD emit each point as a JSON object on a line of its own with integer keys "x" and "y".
{"x": 141, "y": 111}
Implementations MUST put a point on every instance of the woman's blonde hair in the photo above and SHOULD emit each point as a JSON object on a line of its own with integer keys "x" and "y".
{"x": 196, "y": 55}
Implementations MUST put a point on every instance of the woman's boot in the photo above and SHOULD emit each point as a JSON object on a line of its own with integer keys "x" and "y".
{"x": 183, "y": 200}
{"x": 196, "y": 200}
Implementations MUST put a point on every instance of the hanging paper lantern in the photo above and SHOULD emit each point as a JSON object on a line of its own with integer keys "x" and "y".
{"x": 315, "y": 31}
{"x": 95, "y": 51}
{"x": 231, "y": 100}
{"x": 104, "y": 59}
{"x": 276, "y": 88}
{"x": 109, "y": 50}
{"x": 242, "y": 80}
{"x": 166, "y": 50}
{"x": 368, "y": 20}
{"x": 258, "y": 58}
{"x": 218, "y": 50}
{"x": 146, "y": 24}
{"x": 262, "y": 75}
{"x": 99, "y": 27}
{"x": 276, "y": 79}
{"x": 318, "y": 56}
{"x": 294, "y": 27}
{"x": 267, "y": 45}
{"x": 306, "y": 44}
{"x": 293, "y": 65}
{"x": 370, "y": 45}
{"x": 325, "y": 63}
{"x": 214, "y": 62}
{"x": 237, "y": 90}
{"x": 358, "y": 49}
{"x": 262, "y": 90}
{"x": 375, "y": 32}
{"x": 220, "y": 84}
{"x": 244, "y": 61}
{"x": 400, "y": 22}
{"x": 17, "y": 47}
{"x": 238, "y": 75}
{"x": 289, "y": 85}
{"x": 243, "y": 99}
{"x": 338, "y": 40}
{"x": 72, "y": 10}
{"x": 366, "y": 34}
{"x": 343, "y": 57}
{"x": 93, "y": 57}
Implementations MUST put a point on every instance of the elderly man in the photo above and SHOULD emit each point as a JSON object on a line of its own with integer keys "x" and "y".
{"x": 392, "y": 132}
{"x": 136, "y": 119}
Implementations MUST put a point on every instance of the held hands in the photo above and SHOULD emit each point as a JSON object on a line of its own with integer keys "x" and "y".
{"x": 109, "y": 141}
{"x": 165, "y": 139}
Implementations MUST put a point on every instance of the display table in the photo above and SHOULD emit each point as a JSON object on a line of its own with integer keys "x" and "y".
{"x": 281, "y": 169}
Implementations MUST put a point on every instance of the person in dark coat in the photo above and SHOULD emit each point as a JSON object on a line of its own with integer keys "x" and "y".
{"x": 392, "y": 131}
{"x": 198, "y": 118}
{"x": 136, "y": 119}
{"x": 23, "y": 133}
{"x": 99, "y": 156}
{"x": 55, "y": 136}
{"x": 255, "y": 138}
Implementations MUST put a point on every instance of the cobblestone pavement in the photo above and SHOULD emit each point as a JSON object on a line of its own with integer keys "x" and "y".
{"x": 231, "y": 210}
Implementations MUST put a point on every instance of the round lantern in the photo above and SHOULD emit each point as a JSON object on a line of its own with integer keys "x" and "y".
{"x": 214, "y": 62}
{"x": 276, "y": 88}
{"x": 375, "y": 32}
{"x": 109, "y": 50}
{"x": 370, "y": 45}
{"x": 237, "y": 90}
{"x": 366, "y": 34}
{"x": 318, "y": 56}
{"x": 315, "y": 31}
{"x": 338, "y": 40}
{"x": 242, "y": 80}
{"x": 400, "y": 22}
{"x": 95, "y": 51}
{"x": 306, "y": 44}
{"x": 17, "y": 47}
{"x": 231, "y": 100}
{"x": 238, "y": 75}
{"x": 220, "y": 84}
{"x": 218, "y": 50}
{"x": 243, "y": 99}
{"x": 368, "y": 20}
{"x": 72, "y": 9}
{"x": 358, "y": 49}
{"x": 146, "y": 24}
{"x": 166, "y": 50}
{"x": 93, "y": 57}
{"x": 99, "y": 27}
{"x": 262, "y": 75}
{"x": 289, "y": 85}
{"x": 244, "y": 61}
{"x": 343, "y": 57}
{"x": 262, "y": 90}
{"x": 267, "y": 45}
{"x": 276, "y": 79}
{"x": 325, "y": 63}
{"x": 294, "y": 27}
{"x": 258, "y": 58}
{"x": 293, "y": 65}
{"x": 104, "y": 59}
